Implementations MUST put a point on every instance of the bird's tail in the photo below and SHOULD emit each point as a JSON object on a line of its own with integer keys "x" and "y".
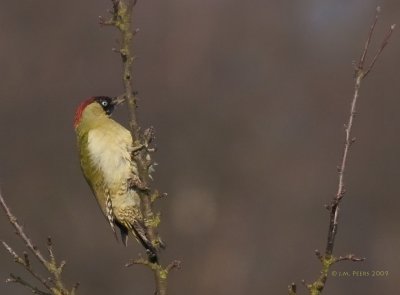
{"x": 140, "y": 233}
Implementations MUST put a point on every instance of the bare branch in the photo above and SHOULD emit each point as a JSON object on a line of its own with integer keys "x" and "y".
{"x": 121, "y": 18}
{"x": 378, "y": 53}
{"x": 50, "y": 250}
{"x": 18, "y": 280}
{"x": 327, "y": 259}
{"x": 50, "y": 265}
{"x": 349, "y": 257}
{"x": 368, "y": 42}
{"x": 21, "y": 233}
{"x": 157, "y": 195}
{"x": 319, "y": 255}
{"x": 349, "y": 140}
{"x": 26, "y": 264}
{"x": 176, "y": 264}
{"x": 139, "y": 260}
{"x": 26, "y": 260}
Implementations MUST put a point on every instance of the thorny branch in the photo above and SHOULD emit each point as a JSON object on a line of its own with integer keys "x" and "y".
{"x": 327, "y": 259}
{"x": 54, "y": 283}
{"x": 360, "y": 73}
{"x": 121, "y": 18}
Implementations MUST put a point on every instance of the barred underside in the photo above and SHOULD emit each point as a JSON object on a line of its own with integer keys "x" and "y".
{"x": 109, "y": 211}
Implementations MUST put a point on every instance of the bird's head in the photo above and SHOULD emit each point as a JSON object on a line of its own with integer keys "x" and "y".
{"x": 97, "y": 106}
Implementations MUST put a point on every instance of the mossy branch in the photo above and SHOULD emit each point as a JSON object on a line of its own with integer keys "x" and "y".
{"x": 121, "y": 18}
{"x": 54, "y": 284}
{"x": 328, "y": 259}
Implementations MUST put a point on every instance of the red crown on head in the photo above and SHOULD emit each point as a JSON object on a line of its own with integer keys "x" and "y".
{"x": 80, "y": 109}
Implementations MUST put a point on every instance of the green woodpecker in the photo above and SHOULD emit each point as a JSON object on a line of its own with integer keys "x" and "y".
{"x": 105, "y": 149}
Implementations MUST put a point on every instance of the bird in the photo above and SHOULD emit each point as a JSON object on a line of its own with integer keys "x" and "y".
{"x": 105, "y": 149}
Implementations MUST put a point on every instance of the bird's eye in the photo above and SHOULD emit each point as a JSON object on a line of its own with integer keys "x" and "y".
{"x": 104, "y": 103}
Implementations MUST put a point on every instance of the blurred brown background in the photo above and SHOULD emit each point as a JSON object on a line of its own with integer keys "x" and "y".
{"x": 248, "y": 99}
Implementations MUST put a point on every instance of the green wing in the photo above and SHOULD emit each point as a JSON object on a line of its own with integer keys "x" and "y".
{"x": 95, "y": 179}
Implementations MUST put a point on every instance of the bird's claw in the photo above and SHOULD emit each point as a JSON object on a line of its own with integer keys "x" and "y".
{"x": 136, "y": 183}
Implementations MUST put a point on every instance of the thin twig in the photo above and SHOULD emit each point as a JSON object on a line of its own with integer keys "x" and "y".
{"x": 327, "y": 259}
{"x": 18, "y": 280}
{"x": 50, "y": 250}
{"x": 378, "y": 53}
{"x": 349, "y": 257}
{"x": 176, "y": 264}
{"x": 23, "y": 262}
{"x": 367, "y": 43}
{"x": 360, "y": 74}
{"x": 21, "y": 233}
{"x": 50, "y": 265}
